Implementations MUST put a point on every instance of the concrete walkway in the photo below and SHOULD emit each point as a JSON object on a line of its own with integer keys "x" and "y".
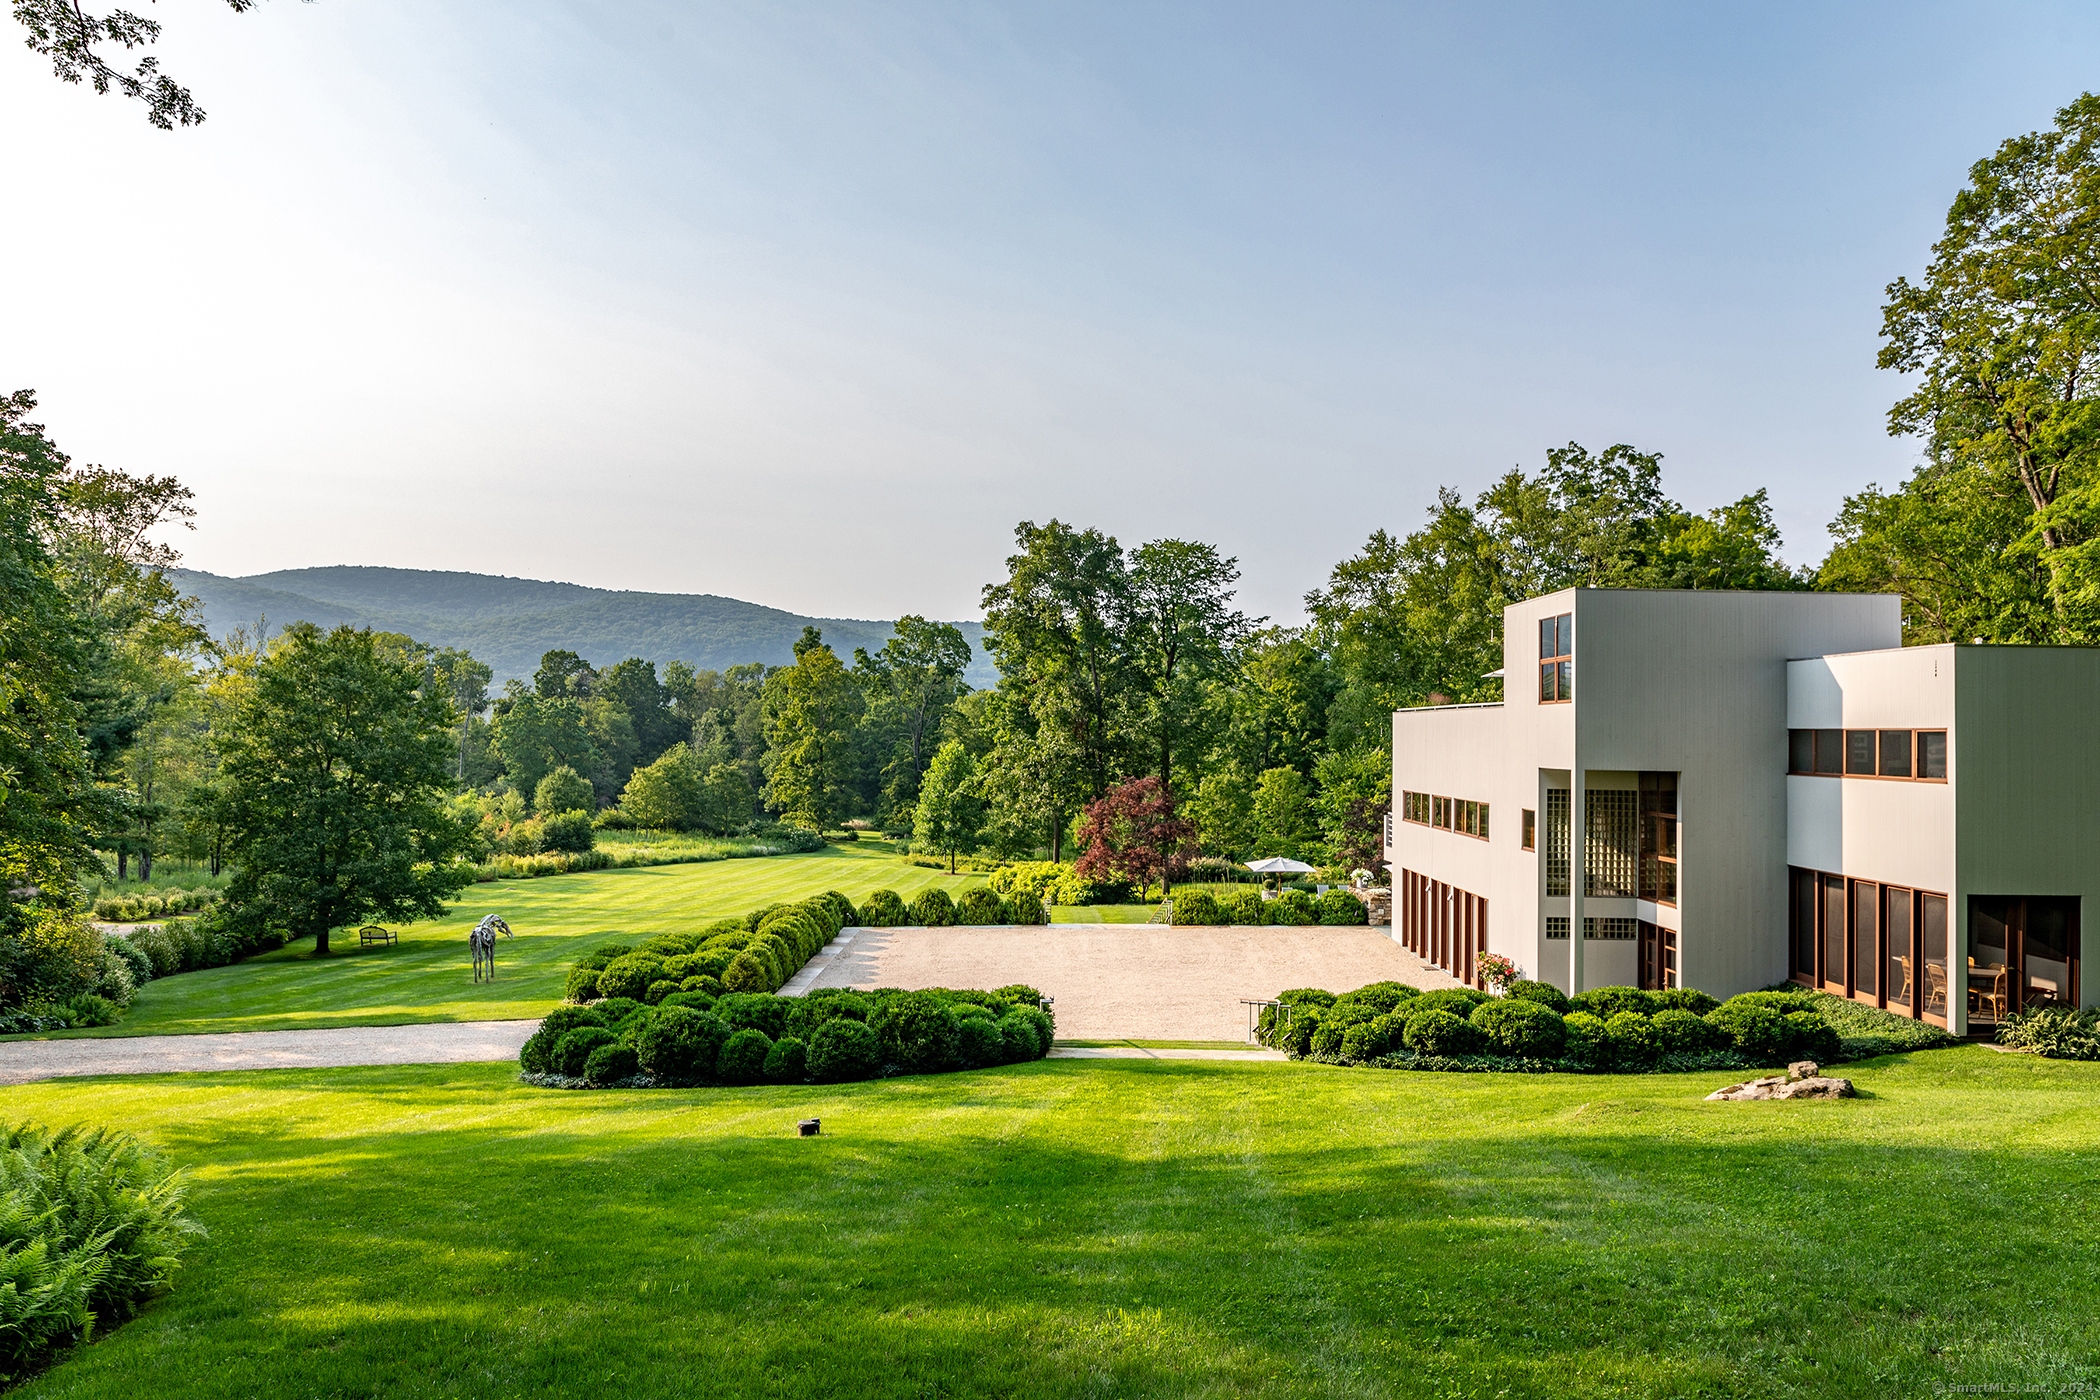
{"x": 447, "y": 1043}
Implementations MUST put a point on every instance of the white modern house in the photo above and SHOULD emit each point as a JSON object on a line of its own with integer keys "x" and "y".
{"x": 1769, "y": 786}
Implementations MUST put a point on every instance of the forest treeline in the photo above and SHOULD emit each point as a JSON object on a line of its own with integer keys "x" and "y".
{"x": 1115, "y": 663}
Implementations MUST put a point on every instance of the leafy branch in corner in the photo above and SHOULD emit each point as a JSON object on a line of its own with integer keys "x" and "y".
{"x": 67, "y": 35}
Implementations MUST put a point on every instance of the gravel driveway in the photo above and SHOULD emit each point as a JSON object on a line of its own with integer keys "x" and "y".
{"x": 1124, "y": 981}
{"x": 448, "y": 1043}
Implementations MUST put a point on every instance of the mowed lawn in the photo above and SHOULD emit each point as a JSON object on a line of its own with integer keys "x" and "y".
{"x": 1073, "y": 1228}
{"x": 428, "y": 976}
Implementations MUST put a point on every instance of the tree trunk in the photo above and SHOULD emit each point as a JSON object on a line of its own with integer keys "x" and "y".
{"x": 321, "y": 942}
{"x": 951, "y": 860}
{"x": 146, "y": 863}
{"x": 123, "y": 861}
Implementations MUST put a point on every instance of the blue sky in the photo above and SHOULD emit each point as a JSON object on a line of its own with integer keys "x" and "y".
{"x": 809, "y": 304}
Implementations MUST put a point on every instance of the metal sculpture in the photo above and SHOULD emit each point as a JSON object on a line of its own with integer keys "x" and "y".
{"x": 483, "y": 941}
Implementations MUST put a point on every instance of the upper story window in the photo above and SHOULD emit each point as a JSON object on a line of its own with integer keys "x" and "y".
{"x": 1556, "y": 659}
{"x": 1917, "y": 755}
{"x": 1445, "y": 813}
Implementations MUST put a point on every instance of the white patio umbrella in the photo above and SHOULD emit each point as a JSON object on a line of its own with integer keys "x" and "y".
{"x": 1281, "y": 865}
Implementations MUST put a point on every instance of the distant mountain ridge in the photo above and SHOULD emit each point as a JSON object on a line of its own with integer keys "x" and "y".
{"x": 509, "y": 622}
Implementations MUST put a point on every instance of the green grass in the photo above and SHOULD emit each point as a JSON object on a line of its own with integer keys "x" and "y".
{"x": 1094, "y": 1228}
{"x": 1102, "y": 913}
{"x": 429, "y": 975}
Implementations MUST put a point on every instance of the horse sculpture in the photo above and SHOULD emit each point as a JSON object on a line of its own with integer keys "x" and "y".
{"x": 483, "y": 941}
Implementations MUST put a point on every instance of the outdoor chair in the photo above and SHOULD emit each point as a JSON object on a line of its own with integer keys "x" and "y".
{"x": 1936, "y": 987}
{"x": 1990, "y": 995}
{"x": 1904, "y": 994}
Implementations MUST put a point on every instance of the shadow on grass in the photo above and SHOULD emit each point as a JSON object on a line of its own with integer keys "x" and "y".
{"x": 1079, "y": 1228}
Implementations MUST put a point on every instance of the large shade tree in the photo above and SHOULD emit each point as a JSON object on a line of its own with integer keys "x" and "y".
{"x": 335, "y": 778}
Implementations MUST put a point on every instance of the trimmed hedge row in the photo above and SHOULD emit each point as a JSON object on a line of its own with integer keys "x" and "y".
{"x": 935, "y": 909}
{"x": 762, "y": 950}
{"x": 1293, "y": 908}
{"x": 827, "y": 1037}
{"x": 1606, "y": 1030}
{"x": 135, "y": 908}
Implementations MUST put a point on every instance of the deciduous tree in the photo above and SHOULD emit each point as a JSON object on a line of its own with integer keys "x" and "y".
{"x": 336, "y": 776}
{"x": 1133, "y": 833}
{"x": 950, "y": 812}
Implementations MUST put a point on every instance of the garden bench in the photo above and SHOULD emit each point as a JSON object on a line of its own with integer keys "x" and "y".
{"x": 373, "y": 933}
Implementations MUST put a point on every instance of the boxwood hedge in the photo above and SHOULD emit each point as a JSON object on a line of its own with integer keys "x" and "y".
{"x": 830, "y": 1036}
{"x": 1608, "y": 1029}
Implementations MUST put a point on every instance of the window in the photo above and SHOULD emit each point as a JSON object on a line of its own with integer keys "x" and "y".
{"x": 1445, "y": 813}
{"x": 1556, "y": 659}
{"x": 1593, "y": 930}
{"x": 1880, "y": 944}
{"x": 1531, "y": 829}
{"x": 1659, "y": 836}
{"x": 1918, "y": 755}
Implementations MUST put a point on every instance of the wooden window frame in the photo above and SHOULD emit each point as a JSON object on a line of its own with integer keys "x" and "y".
{"x": 1452, "y": 814}
{"x": 1557, "y": 667}
{"x": 1531, "y": 829}
{"x": 1817, "y": 744}
{"x": 1823, "y": 883}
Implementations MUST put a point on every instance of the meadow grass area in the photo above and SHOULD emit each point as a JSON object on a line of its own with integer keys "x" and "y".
{"x": 1086, "y": 1228}
{"x": 428, "y": 976}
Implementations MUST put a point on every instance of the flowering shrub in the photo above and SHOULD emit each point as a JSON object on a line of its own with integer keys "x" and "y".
{"x": 1495, "y": 970}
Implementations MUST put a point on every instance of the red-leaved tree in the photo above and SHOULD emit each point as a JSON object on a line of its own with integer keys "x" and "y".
{"x": 1132, "y": 834}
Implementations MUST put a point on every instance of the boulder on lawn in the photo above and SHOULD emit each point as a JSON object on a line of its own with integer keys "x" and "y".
{"x": 1803, "y": 1080}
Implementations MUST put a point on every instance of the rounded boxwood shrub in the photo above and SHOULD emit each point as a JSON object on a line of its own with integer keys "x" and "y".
{"x": 1684, "y": 999}
{"x": 743, "y": 1058}
{"x": 756, "y": 919}
{"x": 629, "y": 975}
{"x": 1585, "y": 1038}
{"x": 843, "y": 1049}
{"x": 1607, "y": 1002}
{"x": 979, "y": 906}
{"x": 806, "y": 1013}
{"x": 1196, "y": 908}
{"x": 775, "y": 949}
{"x": 1341, "y": 908}
{"x": 1017, "y": 1040}
{"x": 916, "y": 1032}
{"x": 1544, "y": 993}
{"x": 884, "y": 909}
{"x": 746, "y": 1011}
{"x": 787, "y": 1061}
{"x": 712, "y": 986}
{"x": 977, "y": 1041}
{"x": 615, "y": 1010}
{"x": 1293, "y": 908}
{"x": 933, "y": 909}
{"x": 748, "y": 972}
{"x": 697, "y": 1000}
{"x": 609, "y": 1064}
{"x": 1038, "y": 1021}
{"x": 573, "y": 1051}
{"x": 680, "y": 1043}
{"x": 1246, "y": 907}
{"x": 1682, "y": 1032}
{"x": 1297, "y": 1037}
{"x": 1383, "y": 996}
{"x": 1442, "y": 1033}
{"x": 1814, "y": 1039}
{"x": 1025, "y": 907}
{"x": 537, "y": 1054}
{"x": 1516, "y": 1026}
{"x": 658, "y": 990}
{"x": 669, "y": 945}
{"x": 1367, "y": 1040}
{"x": 1757, "y": 1032}
{"x": 848, "y": 916}
{"x": 1336, "y": 1021}
{"x": 1459, "y": 1001}
{"x": 1630, "y": 1039}
{"x": 582, "y": 984}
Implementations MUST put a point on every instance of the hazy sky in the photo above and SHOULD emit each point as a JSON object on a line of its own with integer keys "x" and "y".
{"x": 809, "y": 304}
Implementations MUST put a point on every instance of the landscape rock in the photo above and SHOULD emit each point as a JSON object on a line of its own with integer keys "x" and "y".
{"x": 1807, "y": 1085}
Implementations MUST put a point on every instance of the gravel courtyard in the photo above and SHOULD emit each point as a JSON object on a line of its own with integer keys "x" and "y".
{"x": 1124, "y": 981}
